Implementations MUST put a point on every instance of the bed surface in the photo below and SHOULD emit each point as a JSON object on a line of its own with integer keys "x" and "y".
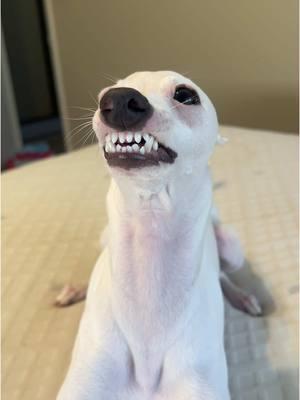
{"x": 52, "y": 215}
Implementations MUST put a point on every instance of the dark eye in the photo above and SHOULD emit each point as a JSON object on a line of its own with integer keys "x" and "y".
{"x": 186, "y": 96}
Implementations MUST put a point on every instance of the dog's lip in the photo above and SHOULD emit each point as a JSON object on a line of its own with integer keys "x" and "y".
{"x": 136, "y": 150}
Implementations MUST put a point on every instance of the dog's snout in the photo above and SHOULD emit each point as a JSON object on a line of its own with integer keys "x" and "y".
{"x": 124, "y": 109}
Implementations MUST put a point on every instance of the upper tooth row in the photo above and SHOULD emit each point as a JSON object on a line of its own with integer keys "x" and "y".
{"x": 128, "y": 137}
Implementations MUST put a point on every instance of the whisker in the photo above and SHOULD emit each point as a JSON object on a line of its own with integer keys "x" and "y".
{"x": 81, "y": 124}
{"x": 84, "y": 139}
{"x": 79, "y": 119}
{"x": 78, "y": 129}
{"x": 80, "y": 133}
{"x": 110, "y": 77}
{"x": 79, "y": 141}
{"x": 90, "y": 134}
{"x": 186, "y": 74}
{"x": 84, "y": 108}
{"x": 93, "y": 98}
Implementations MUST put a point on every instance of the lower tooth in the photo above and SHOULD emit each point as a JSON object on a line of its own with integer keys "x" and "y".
{"x": 118, "y": 148}
{"x": 129, "y": 149}
{"x": 135, "y": 147}
{"x": 124, "y": 149}
{"x": 142, "y": 150}
{"x": 155, "y": 145}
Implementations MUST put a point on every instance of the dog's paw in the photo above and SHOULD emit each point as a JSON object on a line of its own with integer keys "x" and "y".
{"x": 248, "y": 303}
{"x": 70, "y": 295}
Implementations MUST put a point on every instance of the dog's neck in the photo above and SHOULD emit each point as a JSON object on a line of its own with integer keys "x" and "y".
{"x": 156, "y": 235}
{"x": 156, "y": 244}
{"x": 174, "y": 195}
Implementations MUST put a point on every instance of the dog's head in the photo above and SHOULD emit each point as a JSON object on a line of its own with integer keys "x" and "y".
{"x": 153, "y": 124}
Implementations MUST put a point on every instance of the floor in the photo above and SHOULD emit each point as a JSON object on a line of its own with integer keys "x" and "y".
{"x": 52, "y": 214}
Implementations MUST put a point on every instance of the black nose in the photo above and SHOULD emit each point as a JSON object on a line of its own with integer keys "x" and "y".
{"x": 125, "y": 109}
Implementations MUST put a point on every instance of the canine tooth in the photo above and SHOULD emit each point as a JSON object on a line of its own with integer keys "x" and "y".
{"x": 113, "y": 148}
{"x": 110, "y": 146}
{"x": 137, "y": 137}
{"x": 118, "y": 148}
{"x": 114, "y": 137}
{"x": 121, "y": 137}
{"x": 149, "y": 143}
{"x": 129, "y": 137}
{"x": 135, "y": 147}
{"x": 142, "y": 150}
{"x": 146, "y": 136}
{"x": 155, "y": 145}
{"x": 129, "y": 149}
{"x": 123, "y": 149}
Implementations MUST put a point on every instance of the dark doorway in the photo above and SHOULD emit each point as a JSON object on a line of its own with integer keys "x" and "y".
{"x": 28, "y": 53}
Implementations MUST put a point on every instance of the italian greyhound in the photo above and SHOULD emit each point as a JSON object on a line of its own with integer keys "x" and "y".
{"x": 152, "y": 327}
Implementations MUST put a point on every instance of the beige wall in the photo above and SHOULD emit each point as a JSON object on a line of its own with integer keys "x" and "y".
{"x": 242, "y": 53}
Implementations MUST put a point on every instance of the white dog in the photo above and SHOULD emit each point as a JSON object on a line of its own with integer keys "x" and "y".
{"x": 152, "y": 327}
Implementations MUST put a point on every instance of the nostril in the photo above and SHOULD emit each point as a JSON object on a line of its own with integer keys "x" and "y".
{"x": 134, "y": 105}
{"x": 106, "y": 105}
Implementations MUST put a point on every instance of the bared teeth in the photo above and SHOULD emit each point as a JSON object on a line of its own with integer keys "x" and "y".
{"x": 121, "y": 137}
{"x": 114, "y": 137}
{"x": 129, "y": 142}
{"x": 137, "y": 137}
{"x": 129, "y": 137}
{"x": 149, "y": 143}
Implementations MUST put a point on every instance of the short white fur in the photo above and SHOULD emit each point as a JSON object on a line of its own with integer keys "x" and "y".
{"x": 152, "y": 328}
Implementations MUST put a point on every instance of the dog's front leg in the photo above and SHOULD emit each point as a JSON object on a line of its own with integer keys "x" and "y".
{"x": 192, "y": 387}
{"x": 100, "y": 363}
